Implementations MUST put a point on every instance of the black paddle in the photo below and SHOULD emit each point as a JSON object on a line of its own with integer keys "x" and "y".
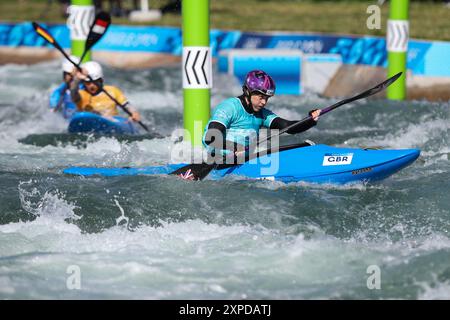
{"x": 200, "y": 170}
{"x": 97, "y": 30}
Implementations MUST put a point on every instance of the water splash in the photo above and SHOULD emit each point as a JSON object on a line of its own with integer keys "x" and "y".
{"x": 51, "y": 203}
{"x": 122, "y": 218}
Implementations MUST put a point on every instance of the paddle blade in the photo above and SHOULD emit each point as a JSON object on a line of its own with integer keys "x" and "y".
{"x": 196, "y": 171}
{"x": 389, "y": 81}
{"x": 49, "y": 38}
{"x": 44, "y": 34}
{"x": 98, "y": 29}
{"x": 378, "y": 88}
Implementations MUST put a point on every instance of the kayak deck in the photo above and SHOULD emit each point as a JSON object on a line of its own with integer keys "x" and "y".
{"x": 325, "y": 164}
{"x": 88, "y": 122}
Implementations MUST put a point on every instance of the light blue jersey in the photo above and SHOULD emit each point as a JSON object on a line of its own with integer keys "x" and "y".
{"x": 60, "y": 98}
{"x": 242, "y": 127}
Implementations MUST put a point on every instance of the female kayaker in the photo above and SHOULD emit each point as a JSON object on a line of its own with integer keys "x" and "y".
{"x": 93, "y": 98}
{"x": 236, "y": 121}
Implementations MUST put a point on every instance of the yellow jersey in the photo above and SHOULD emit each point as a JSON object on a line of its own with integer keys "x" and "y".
{"x": 101, "y": 103}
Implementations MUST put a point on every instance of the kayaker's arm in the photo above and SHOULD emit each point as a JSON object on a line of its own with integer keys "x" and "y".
{"x": 74, "y": 87}
{"x": 216, "y": 138}
{"x": 280, "y": 124}
{"x": 78, "y": 76}
{"x": 57, "y": 96}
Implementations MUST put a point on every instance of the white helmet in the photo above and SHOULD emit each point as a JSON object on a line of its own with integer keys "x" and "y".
{"x": 94, "y": 69}
{"x": 67, "y": 66}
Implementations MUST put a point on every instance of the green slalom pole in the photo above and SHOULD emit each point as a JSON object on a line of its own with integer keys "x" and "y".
{"x": 81, "y": 16}
{"x": 196, "y": 68}
{"x": 397, "y": 47}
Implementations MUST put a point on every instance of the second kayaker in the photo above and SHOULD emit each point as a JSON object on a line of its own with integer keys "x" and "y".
{"x": 236, "y": 121}
{"x": 93, "y": 98}
{"x": 60, "y": 99}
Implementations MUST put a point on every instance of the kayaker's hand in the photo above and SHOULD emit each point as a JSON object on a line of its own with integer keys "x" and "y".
{"x": 135, "y": 116}
{"x": 315, "y": 114}
{"x": 80, "y": 75}
{"x": 239, "y": 154}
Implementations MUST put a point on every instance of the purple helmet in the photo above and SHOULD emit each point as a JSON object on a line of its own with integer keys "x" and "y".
{"x": 258, "y": 80}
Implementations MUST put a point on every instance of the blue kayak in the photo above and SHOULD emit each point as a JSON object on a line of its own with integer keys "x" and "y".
{"x": 88, "y": 122}
{"x": 316, "y": 164}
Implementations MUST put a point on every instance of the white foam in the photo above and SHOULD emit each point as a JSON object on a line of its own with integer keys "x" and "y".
{"x": 156, "y": 100}
{"x": 289, "y": 113}
{"x": 437, "y": 291}
{"x": 276, "y": 185}
{"x": 48, "y": 204}
{"x": 6, "y": 286}
{"x": 412, "y": 136}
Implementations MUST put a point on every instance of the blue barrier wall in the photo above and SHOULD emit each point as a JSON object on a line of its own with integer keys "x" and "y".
{"x": 118, "y": 38}
{"x": 428, "y": 58}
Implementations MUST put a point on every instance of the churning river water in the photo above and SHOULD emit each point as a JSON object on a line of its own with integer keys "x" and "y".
{"x": 158, "y": 237}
